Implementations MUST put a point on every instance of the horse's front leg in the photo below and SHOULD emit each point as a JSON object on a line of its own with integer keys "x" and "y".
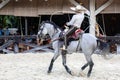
{"x": 64, "y": 63}
{"x": 52, "y": 61}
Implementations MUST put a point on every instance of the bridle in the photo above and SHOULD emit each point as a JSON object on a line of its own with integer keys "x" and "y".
{"x": 42, "y": 28}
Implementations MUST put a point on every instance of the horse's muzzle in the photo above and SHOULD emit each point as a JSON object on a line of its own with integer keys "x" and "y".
{"x": 44, "y": 37}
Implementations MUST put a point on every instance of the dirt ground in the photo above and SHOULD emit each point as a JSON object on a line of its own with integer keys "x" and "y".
{"x": 33, "y": 66}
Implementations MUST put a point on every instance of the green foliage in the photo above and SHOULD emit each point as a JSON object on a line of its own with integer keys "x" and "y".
{"x": 8, "y": 21}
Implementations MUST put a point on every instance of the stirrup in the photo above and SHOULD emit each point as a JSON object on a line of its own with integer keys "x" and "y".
{"x": 63, "y": 48}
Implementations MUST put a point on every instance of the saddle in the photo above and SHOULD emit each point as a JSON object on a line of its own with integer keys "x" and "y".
{"x": 77, "y": 33}
{"x": 75, "y": 36}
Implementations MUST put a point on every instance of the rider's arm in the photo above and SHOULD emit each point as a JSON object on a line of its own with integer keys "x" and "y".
{"x": 71, "y": 22}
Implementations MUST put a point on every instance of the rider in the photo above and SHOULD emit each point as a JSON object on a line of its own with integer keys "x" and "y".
{"x": 75, "y": 22}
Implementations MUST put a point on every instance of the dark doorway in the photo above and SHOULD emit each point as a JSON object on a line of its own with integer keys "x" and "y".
{"x": 111, "y": 23}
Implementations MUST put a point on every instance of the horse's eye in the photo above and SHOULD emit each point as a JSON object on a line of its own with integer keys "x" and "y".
{"x": 41, "y": 29}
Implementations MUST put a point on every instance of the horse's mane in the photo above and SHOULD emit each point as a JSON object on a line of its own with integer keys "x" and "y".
{"x": 51, "y": 22}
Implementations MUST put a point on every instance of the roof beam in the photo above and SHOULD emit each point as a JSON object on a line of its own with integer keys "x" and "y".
{"x": 3, "y": 3}
{"x": 103, "y": 7}
{"x": 74, "y": 2}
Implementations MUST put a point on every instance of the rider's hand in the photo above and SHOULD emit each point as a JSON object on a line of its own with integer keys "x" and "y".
{"x": 65, "y": 24}
{"x": 66, "y": 27}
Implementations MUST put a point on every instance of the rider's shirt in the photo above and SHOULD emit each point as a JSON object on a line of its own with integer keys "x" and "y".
{"x": 76, "y": 20}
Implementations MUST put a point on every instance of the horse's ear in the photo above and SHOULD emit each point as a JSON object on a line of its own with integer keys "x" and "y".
{"x": 42, "y": 23}
{"x": 47, "y": 21}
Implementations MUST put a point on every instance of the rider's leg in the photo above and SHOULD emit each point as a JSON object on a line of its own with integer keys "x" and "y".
{"x": 67, "y": 34}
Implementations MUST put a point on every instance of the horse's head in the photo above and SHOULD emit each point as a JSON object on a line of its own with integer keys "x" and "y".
{"x": 48, "y": 28}
{"x": 43, "y": 31}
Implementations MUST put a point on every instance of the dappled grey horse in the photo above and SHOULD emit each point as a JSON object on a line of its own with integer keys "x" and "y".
{"x": 88, "y": 44}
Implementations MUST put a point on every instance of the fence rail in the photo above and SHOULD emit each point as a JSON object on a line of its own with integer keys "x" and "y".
{"x": 110, "y": 37}
{"x": 17, "y": 36}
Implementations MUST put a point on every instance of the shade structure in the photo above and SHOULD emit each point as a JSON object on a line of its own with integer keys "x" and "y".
{"x": 43, "y": 7}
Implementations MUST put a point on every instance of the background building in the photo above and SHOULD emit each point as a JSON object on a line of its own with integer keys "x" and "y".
{"x": 32, "y": 12}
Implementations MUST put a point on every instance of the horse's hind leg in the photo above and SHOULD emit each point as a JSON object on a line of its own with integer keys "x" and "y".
{"x": 64, "y": 64}
{"x": 90, "y": 63}
{"x": 90, "y": 68}
{"x": 84, "y": 66}
{"x": 52, "y": 61}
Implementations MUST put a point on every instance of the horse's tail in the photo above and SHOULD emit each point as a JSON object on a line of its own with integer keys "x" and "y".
{"x": 102, "y": 44}
{"x": 104, "y": 49}
{"x": 98, "y": 42}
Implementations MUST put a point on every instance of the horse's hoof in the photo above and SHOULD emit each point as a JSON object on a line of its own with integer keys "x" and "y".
{"x": 48, "y": 72}
{"x": 81, "y": 74}
{"x": 72, "y": 73}
{"x": 88, "y": 75}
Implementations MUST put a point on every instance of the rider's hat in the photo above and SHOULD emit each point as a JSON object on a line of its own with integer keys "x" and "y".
{"x": 78, "y": 8}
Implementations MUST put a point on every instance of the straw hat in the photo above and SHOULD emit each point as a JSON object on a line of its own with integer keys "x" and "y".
{"x": 78, "y": 8}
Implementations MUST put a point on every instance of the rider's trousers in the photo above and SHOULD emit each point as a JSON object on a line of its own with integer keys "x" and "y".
{"x": 68, "y": 33}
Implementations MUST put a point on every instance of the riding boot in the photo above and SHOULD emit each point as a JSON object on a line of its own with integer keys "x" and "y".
{"x": 65, "y": 44}
{"x": 67, "y": 34}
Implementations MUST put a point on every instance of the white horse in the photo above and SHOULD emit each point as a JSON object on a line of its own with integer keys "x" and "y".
{"x": 88, "y": 44}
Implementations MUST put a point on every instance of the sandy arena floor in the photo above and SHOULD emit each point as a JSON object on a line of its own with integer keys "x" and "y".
{"x": 30, "y": 66}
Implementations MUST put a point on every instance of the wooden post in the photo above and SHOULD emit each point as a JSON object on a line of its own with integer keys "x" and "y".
{"x": 39, "y": 22}
{"x": 21, "y": 28}
{"x": 26, "y": 27}
{"x": 16, "y": 48}
{"x": 3, "y": 3}
{"x": 92, "y": 17}
{"x": 103, "y": 7}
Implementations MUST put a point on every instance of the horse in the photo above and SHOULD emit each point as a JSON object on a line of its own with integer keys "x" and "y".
{"x": 87, "y": 43}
